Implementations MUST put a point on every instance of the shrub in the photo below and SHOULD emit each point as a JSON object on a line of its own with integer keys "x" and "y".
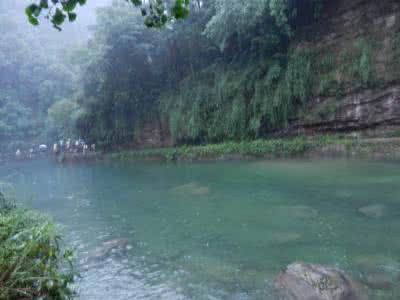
{"x": 7, "y": 198}
{"x": 32, "y": 263}
{"x": 257, "y": 148}
{"x": 357, "y": 62}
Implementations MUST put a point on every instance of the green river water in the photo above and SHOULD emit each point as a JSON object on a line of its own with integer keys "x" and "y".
{"x": 218, "y": 230}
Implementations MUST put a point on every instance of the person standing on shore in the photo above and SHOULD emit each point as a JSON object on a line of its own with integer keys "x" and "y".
{"x": 76, "y": 146}
{"x": 55, "y": 148}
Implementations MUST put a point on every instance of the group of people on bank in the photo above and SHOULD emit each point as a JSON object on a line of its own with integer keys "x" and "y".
{"x": 32, "y": 151}
{"x": 68, "y": 146}
{"x": 77, "y": 146}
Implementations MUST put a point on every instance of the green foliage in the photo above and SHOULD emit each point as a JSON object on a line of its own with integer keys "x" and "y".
{"x": 325, "y": 84}
{"x": 131, "y": 73}
{"x": 240, "y": 21}
{"x": 299, "y": 76}
{"x": 127, "y": 69}
{"x": 363, "y": 65}
{"x": 62, "y": 119}
{"x": 7, "y": 198}
{"x": 234, "y": 17}
{"x": 396, "y": 55}
{"x": 353, "y": 66}
{"x": 154, "y": 11}
{"x": 357, "y": 63}
{"x": 32, "y": 263}
{"x": 257, "y": 148}
{"x": 16, "y": 124}
{"x": 240, "y": 102}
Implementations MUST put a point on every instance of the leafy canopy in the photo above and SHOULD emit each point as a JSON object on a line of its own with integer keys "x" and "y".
{"x": 156, "y": 13}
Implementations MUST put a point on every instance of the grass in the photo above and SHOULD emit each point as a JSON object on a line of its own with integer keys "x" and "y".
{"x": 289, "y": 147}
{"x": 33, "y": 264}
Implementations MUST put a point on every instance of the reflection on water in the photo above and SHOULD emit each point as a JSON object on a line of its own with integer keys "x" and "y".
{"x": 219, "y": 230}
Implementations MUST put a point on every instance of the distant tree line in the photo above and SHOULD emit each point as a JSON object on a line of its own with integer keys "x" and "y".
{"x": 216, "y": 70}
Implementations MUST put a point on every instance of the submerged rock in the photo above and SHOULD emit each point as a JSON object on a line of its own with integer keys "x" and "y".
{"x": 300, "y": 281}
{"x": 193, "y": 188}
{"x": 376, "y": 211}
{"x": 284, "y": 238}
{"x": 298, "y": 211}
{"x": 106, "y": 248}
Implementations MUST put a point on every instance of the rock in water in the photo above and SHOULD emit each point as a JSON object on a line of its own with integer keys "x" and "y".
{"x": 303, "y": 212}
{"x": 116, "y": 244}
{"x": 284, "y": 238}
{"x": 193, "y": 188}
{"x": 378, "y": 281}
{"x": 300, "y": 281}
{"x": 376, "y": 211}
{"x": 106, "y": 248}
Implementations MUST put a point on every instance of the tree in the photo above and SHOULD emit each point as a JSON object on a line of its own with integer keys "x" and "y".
{"x": 156, "y": 13}
{"x": 62, "y": 119}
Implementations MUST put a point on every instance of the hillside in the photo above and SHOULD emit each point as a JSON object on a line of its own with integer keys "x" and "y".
{"x": 350, "y": 81}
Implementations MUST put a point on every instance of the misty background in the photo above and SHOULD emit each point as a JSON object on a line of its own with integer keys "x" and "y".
{"x": 37, "y": 70}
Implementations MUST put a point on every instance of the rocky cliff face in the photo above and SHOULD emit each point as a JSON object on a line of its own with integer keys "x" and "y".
{"x": 154, "y": 134}
{"x": 355, "y": 51}
{"x": 359, "y": 39}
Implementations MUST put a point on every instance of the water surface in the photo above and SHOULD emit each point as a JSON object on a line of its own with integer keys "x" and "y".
{"x": 218, "y": 230}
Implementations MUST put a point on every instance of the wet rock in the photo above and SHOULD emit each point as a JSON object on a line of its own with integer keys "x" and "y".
{"x": 284, "y": 238}
{"x": 202, "y": 190}
{"x": 376, "y": 211}
{"x": 298, "y": 211}
{"x": 193, "y": 188}
{"x": 106, "y": 248}
{"x": 300, "y": 281}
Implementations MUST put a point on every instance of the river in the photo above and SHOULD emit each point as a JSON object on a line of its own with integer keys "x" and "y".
{"x": 217, "y": 230}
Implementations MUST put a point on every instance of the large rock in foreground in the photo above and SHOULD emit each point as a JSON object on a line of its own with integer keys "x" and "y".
{"x": 302, "y": 281}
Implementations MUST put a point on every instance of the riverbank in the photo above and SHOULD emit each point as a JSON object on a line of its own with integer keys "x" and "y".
{"x": 61, "y": 158}
{"x": 298, "y": 147}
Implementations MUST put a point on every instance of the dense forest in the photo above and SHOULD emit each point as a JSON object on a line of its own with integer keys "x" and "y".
{"x": 224, "y": 72}
{"x": 221, "y": 71}
{"x": 207, "y": 75}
